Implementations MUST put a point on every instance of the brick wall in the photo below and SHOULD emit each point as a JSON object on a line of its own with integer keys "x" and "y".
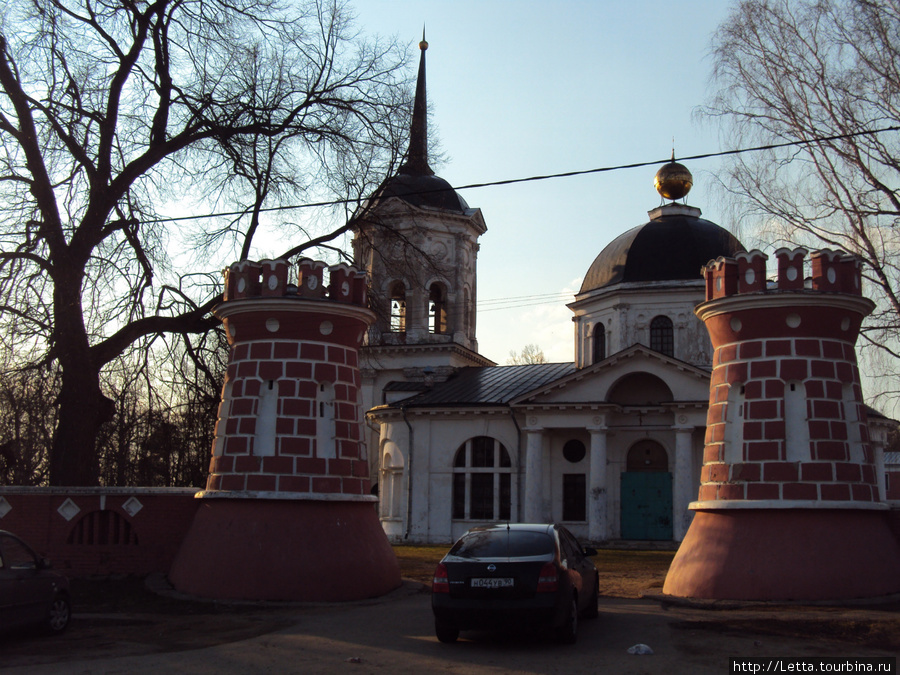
{"x": 786, "y": 419}
{"x": 101, "y": 531}
{"x": 834, "y": 423}
{"x": 297, "y": 372}
{"x": 289, "y": 421}
{"x": 892, "y": 485}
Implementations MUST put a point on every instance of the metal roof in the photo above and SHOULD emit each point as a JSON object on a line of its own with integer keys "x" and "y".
{"x": 493, "y": 385}
{"x": 403, "y": 385}
{"x": 669, "y": 247}
{"x": 891, "y": 458}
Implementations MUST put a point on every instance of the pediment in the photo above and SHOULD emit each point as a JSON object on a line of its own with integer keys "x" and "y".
{"x": 638, "y": 365}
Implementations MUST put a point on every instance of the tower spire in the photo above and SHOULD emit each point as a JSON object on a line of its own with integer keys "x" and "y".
{"x": 416, "y": 163}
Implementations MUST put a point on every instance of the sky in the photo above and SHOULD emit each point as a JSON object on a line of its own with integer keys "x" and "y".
{"x": 521, "y": 88}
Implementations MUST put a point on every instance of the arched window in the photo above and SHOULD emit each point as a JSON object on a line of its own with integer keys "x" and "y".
{"x": 467, "y": 313}
{"x": 796, "y": 427}
{"x": 398, "y": 307}
{"x": 851, "y": 414}
{"x": 102, "y": 528}
{"x": 482, "y": 480}
{"x": 662, "y": 336}
{"x": 266, "y": 417}
{"x": 599, "y": 343}
{"x": 734, "y": 424}
{"x": 647, "y": 455}
{"x": 391, "y": 481}
{"x": 437, "y": 309}
{"x": 326, "y": 446}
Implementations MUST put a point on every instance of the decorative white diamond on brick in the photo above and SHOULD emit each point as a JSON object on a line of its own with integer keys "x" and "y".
{"x": 68, "y": 509}
{"x": 4, "y": 507}
{"x": 132, "y": 506}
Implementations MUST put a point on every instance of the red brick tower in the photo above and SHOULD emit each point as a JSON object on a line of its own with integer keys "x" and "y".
{"x": 789, "y": 504}
{"x": 287, "y": 513}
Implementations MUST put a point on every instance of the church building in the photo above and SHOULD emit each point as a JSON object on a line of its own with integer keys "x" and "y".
{"x": 610, "y": 444}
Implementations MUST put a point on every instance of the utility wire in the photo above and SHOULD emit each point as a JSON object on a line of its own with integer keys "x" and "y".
{"x": 555, "y": 302}
{"x": 566, "y": 174}
{"x": 522, "y": 298}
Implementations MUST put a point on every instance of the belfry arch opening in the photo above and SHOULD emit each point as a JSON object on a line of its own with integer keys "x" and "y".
{"x": 437, "y": 308}
{"x": 398, "y": 307}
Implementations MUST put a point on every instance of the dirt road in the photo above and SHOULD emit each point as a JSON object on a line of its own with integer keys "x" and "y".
{"x": 395, "y": 635}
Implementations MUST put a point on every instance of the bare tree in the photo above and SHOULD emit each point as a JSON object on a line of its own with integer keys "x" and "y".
{"x": 27, "y": 419}
{"x": 115, "y": 114}
{"x": 529, "y": 354}
{"x": 801, "y": 70}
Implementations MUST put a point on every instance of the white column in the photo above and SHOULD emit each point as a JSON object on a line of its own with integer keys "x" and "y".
{"x": 534, "y": 474}
{"x": 416, "y": 315}
{"x": 598, "y": 519}
{"x": 682, "y": 489}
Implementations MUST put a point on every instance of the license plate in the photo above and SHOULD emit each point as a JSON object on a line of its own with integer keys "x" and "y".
{"x": 503, "y": 582}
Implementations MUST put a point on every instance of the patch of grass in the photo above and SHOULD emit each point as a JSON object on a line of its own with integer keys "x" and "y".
{"x": 623, "y": 574}
{"x": 418, "y": 562}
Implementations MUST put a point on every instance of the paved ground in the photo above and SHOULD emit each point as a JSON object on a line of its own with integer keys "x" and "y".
{"x": 395, "y": 635}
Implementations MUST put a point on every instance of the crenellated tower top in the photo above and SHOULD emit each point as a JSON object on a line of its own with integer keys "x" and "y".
{"x": 269, "y": 279}
{"x": 830, "y": 272}
{"x": 790, "y": 504}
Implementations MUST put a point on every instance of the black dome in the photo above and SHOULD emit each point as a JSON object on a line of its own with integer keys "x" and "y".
{"x": 668, "y": 248}
{"x": 423, "y": 190}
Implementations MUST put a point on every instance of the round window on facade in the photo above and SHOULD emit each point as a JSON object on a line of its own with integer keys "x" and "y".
{"x": 574, "y": 450}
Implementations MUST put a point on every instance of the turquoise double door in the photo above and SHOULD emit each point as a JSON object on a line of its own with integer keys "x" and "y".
{"x": 646, "y": 505}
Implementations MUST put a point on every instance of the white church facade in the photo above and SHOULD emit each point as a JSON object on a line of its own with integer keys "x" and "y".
{"x": 610, "y": 444}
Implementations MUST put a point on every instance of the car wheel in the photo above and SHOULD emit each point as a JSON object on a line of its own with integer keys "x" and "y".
{"x": 568, "y": 632}
{"x": 58, "y": 614}
{"x": 445, "y": 632}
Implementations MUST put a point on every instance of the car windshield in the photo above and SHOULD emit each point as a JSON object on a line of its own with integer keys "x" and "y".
{"x": 503, "y": 544}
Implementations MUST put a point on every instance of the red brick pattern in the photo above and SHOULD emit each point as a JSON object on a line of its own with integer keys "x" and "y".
{"x": 763, "y": 438}
{"x": 892, "y": 485}
{"x": 158, "y": 527}
{"x": 762, "y": 351}
{"x": 294, "y": 348}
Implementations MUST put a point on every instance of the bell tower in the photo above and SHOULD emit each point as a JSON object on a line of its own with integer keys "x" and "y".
{"x": 417, "y": 241}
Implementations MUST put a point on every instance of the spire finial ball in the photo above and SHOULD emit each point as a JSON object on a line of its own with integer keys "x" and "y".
{"x": 423, "y": 45}
{"x": 673, "y": 180}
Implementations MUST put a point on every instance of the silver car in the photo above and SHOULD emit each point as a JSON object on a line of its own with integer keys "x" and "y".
{"x": 30, "y": 592}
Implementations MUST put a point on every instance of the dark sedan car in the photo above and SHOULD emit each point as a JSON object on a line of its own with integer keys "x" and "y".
{"x": 513, "y": 577}
{"x": 30, "y": 592}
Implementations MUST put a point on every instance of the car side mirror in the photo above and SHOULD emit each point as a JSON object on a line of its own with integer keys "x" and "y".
{"x": 590, "y": 551}
{"x": 43, "y": 564}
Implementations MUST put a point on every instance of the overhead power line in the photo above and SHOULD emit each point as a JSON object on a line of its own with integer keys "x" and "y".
{"x": 565, "y": 174}
{"x": 521, "y": 298}
{"x": 515, "y": 302}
